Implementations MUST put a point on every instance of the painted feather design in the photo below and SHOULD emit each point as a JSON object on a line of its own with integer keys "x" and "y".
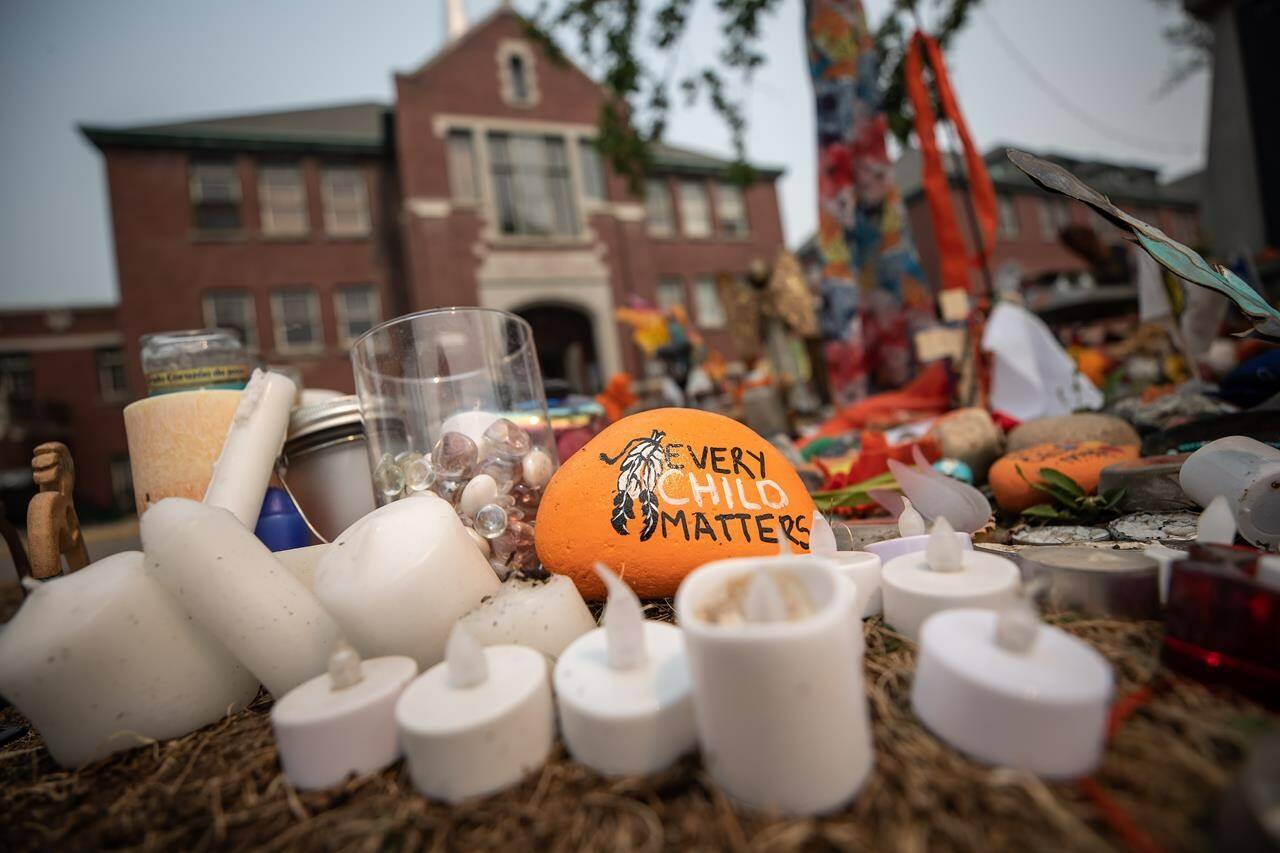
{"x": 643, "y": 462}
{"x": 649, "y": 509}
{"x": 622, "y": 510}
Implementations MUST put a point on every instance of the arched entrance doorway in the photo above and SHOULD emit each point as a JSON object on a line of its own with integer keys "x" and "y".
{"x": 566, "y": 347}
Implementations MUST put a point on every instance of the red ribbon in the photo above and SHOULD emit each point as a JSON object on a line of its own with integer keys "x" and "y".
{"x": 955, "y": 258}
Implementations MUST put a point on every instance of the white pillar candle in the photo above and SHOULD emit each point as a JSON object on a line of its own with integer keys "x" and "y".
{"x": 302, "y": 562}
{"x": 546, "y": 615}
{"x": 342, "y": 722}
{"x": 253, "y": 444}
{"x": 233, "y": 586}
{"x": 398, "y": 579}
{"x": 104, "y": 659}
{"x": 861, "y": 567}
{"x": 479, "y": 722}
{"x": 1241, "y": 469}
{"x": 471, "y": 424}
{"x": 917, "y": 585}
{"x": 623, "y": 691}
{"x": 1007, "y": 690}
{"x": 779, "y": 705}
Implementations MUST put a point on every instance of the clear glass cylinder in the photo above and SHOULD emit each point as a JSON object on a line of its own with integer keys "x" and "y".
{"x": 452, "y": 396}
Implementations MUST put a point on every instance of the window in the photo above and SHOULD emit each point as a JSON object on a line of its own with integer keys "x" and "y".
{"x": 358, "y": 310}
{"x": 282, "y": 201}
{"x": 706, "y": 303}
{"x": 592, "y": 170}
{"x": 122, "y": 483}
{"x": 695, "y": 214}
{"x": 215, "y": 196}
{"x": 731, "y": 210}
{"x": 531, "y": 185}
{"x": 657, "y": 201}
{"x": 1007, "y": 222}
{"x": 461, "y": 154}
{"x": 295, "y": 319}
{"x": 17, "y": 382}
{"x": 670, "y": 292}
{"x": 113, "y": 379}
{"x": 346, "y": 202}
{"x": 232, "y": 309}
{"x": 519, "y": 82}
{"x": 1054, "y": 217}
{"x": 517, "y": 73}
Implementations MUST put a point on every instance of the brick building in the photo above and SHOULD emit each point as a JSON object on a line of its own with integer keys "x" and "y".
{"x": 479, "y": 185}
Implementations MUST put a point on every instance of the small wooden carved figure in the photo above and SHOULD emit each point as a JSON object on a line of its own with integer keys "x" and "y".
{"x": 52, "y": 526}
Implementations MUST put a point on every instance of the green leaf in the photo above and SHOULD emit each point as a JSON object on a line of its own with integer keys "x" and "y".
{"x": 1112, "y": 497}
{"x": 1045, "y": 511}
{"x": 1062, "y": 481}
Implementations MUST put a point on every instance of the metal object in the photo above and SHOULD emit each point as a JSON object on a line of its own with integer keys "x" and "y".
{"x": 1094, "y": 581}
{"x": 316, "y": 433}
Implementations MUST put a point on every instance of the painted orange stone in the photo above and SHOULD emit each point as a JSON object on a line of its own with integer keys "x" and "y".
{"x": 1082, "y": 462}
{"x": 657, "y": 494}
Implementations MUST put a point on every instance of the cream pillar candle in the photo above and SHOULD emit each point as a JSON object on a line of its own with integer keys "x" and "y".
{"x": 174, "y": 440}
{"x": 479, "y": 722}
{"x": 623, "y": 691}
{"x": 779, "y": 704}
{"x": 944, "y": 575}
{"x": 104, "y": 659}
{"x": 248, "y": 458}
{"x": 398, "y": 579}
{"x": 233, "y": 587}
{"x": 861, "y": 567}
{"x": 546, "y": 615}
{"x": 342, "y": 722}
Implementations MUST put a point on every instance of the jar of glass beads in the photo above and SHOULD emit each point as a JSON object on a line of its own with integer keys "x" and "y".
{"x": 453, "y": 404}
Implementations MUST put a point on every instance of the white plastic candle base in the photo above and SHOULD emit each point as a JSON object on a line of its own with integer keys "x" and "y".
{"x": 464, "y": 742}
{"x": 913, "y": 592}
{"x": 326, "y": 734}
{"x": 631, "y": 721}
{"x": 892, "y": 548}
{"x": 1043, "y": 710}
{"x": 1243, "y": 469}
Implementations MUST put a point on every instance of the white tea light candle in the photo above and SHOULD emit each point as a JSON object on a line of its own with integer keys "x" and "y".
{"x": 543, "y": 614}
{"x": 248, "y": 458}
{"x": 779, "y": 705}
{"x": 399, "y": 578}
{"x": 477, "y": 723}
{"x": 912, "y": 538}
{"x": 104, "y": 659}
{"x": 237, "y": 591}
{"x": 623, "y": 691}
{"x": 342, "y": 722}
{"x": 862, "y": 567}
{"x": 944, "y": 575}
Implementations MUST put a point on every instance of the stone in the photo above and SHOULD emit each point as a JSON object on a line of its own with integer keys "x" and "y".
{"x": 1156, "y": 526}
{"x": 1064, "y": 428}
{"x": 970, "y": 436}
{"x": 1150, "y": 484}
{"x": 659, "y": 493}
{"x": 1082, "y": 462}
{"x": 1060, "y": 534}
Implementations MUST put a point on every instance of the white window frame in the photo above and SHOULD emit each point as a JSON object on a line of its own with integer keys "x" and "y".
{"x": 687, "y": 190}
{"x": 741, "y": 225}
{"x": 196, "y": 191}
{"x": 361, "y": 227}
{"x": 17, "y": 366}
{"x": 714, "y": 318}
{"x": 106, "y": 361}
{"x": 345, "y": 337}
{"x": 1007, "y": 224}
{"x": 671, "y": 284}
{"x": 279, "y": 326}
{"x": 595, "y": 188}
{"x": 209, "y": 309}
{"x": 293, "y": 197}
{"x": 464, "y": 178}
{"x": 508, "y": 49}
{"x": 539, "y": 180}
{"x": 658, "y": 200}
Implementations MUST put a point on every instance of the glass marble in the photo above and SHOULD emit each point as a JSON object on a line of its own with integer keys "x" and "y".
{"x": 388, "y": 477}
{"x": 455, "y": 455}
{"x": 491, "y": 521}
{"x": 505, "y": 440}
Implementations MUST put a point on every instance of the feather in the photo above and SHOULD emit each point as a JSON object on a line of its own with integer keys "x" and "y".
{"x": 649, "y": 508}
{"x": 621, "y": 512}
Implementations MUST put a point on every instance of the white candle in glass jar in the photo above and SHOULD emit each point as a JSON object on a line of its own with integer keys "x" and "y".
{"x": 237, "y": 591}
{"x": 104, "y": 659}
{"x": 398, "y": 579}
{"x": 778, "y": 698}
{"x": 248, "y": 458}
{"x": 544, "y": 614}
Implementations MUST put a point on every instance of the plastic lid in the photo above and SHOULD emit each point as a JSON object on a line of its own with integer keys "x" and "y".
{"x": 327, "y": 414}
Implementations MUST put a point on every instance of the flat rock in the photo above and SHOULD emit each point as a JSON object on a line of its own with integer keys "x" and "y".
{"x": 1150, "y": 484}
{"x": 1081, "y": 427}
{"x": 1060, "y": 534}
{"x": 1156, "y": 526}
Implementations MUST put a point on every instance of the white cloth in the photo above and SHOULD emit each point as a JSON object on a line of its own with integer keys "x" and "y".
{"x": 1032, "y": 376}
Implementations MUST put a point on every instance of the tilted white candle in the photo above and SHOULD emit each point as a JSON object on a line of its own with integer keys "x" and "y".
{"x": 861, "y": 567}
{"x": 398, "y": 579}
{"x": 248, "y": 457}
{"x": 546, "y": 615}
{"x": 342, "y": 722}
{"x": 624, "y": 693}
{"x": 104, "y": 659}
{"x": 234, "y": 588}
{"x": 943, "y": 576}
{"x": 479, "y": 722}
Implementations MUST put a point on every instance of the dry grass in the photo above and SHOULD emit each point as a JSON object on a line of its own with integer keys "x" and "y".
{"x": 221, "y": 787}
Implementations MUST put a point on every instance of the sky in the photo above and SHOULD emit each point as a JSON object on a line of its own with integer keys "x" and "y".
{"x": 1095, "y": 68}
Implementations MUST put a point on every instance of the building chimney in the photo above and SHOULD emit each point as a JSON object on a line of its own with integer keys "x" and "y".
{"x": 455, "y": 18}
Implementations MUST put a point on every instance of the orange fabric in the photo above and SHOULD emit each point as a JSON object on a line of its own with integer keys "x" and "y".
{"x": 955, "y": 262}
{"x": 927, "y": 395}
{"x": 616, "y": 397}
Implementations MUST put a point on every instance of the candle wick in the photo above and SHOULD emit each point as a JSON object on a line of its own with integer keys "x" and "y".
{"x": 623, "y": 622}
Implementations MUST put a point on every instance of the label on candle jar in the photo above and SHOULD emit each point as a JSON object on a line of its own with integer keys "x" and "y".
{"x": 659, "y": 493}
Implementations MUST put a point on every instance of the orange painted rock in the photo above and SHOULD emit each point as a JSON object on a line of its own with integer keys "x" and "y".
{"x": 657, "y": 494}
{"x": 1082, "y": 462}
